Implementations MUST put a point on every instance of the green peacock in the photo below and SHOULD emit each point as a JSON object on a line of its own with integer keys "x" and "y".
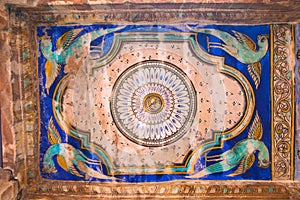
{"x": 65, "y": 46}
{"x": 241, "y": 155}
{"x": 241, "y": 47}
{"x": 69, "y": 158}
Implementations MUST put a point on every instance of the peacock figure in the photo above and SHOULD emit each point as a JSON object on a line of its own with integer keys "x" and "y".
{"x": 71, "y": 43}
{"x": 241, "y": 155}
{"x": 241, "y": 47}
{"x": 69, "y": 158}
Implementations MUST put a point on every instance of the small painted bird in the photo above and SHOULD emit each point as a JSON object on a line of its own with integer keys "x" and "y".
{"x": 68, "y": 44}
{"x": 241, "y": 47}
{"x": 241, "y": 154}
{"x": 69, "y": 158}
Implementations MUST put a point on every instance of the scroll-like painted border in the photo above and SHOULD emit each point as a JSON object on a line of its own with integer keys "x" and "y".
{"x": 283, "y": 102}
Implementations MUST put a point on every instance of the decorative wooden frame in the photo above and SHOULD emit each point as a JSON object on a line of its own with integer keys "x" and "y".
{"x": 24, "y": 20}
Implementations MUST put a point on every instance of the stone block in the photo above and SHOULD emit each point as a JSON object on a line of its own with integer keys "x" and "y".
{"x": 8, "y": 190}
{"x": 70, "y": 2}
{"x": 8, "y": 144}
{"x": 3, "y": 18}
{"x": 4, "y": 176}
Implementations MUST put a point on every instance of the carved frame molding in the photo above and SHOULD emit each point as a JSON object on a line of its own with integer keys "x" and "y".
{"x": 23, "y": 22}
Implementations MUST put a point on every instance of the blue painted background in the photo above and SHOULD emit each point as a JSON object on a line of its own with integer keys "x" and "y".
{"x": 263, "y": 105}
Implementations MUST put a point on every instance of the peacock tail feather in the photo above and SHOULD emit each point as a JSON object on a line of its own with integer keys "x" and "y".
{"x": 245, "y": 164}
{"x": 51, "y": 70}
{"x": 62, "y": 162}
{"x": 245, "y": 39}
{"x": 256, "y": 129}
{"x": 53, "y": 135}
{"x": 255, "y": 73}
{"x": 64, "y": 41}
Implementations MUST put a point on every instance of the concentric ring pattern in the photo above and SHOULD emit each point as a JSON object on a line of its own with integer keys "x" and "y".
{"x": 153, "y": 103}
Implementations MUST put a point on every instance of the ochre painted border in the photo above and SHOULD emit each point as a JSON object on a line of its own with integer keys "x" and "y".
{"x": 283, "y": 100}
{"x": 22, "y": 22}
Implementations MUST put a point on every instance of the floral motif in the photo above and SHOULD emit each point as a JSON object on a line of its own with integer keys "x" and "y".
{"x": 283, "y": 115}
{"x": 153, "y": 103}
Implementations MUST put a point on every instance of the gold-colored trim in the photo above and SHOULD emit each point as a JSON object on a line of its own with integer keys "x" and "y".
{"x": 272, "y": 99}
{"x": 283, "y": 102}
{"x": 170, "y": 190}
{"x": 38, "y": 105}
{"x": 173, "y": 137}
{"x": 222, "y": 68}
{"x": 151, "y": 99}
{"x": 293, "y": 107}
{"x": 67, "y": 128}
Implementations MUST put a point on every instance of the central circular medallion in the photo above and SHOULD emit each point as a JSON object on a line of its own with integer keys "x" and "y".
{"x": 153, "y": 103}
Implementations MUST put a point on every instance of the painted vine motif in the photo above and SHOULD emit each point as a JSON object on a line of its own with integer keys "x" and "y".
{"x": 283, "y": 106}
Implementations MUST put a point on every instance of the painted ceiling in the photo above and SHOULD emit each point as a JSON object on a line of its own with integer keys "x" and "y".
{"x": 155, "y": 103}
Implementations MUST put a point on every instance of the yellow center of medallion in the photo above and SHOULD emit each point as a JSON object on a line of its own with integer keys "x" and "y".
{"x": 153, "y": 103}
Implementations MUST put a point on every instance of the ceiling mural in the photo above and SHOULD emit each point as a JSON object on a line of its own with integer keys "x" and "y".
{"x": 152, "y": 100}
{"x": 155, "y": 103}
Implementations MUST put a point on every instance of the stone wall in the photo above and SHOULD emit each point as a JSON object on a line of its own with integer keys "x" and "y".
{"x": 8, "y": 189}
{"x": 6, "y": 92}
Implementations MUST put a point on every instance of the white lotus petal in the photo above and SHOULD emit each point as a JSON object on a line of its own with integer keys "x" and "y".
{"x": 162, "y": 75}
{"x": 125, "y": 92}
{"x": 167, "y": 129}
{"x": 175, "y": 86}
{"x": 181, "y": 112}
{"x": 171, "y": 126}
{"x": 179, "y": 89}
{"x": 139, "y": 129}
{"x": 182, "y": 106}
{"x": 132, "y": 123}
{"x": 152, "y": 78}
{"x": 175, "y": 122}
{"x": 142, "y": 78}
{"x": 147, "y": 132}
{"x": 171, "y": 81}
{"x": 156, "y": 75}
{"x": 181, "y": 94}
{"x": 147, "y": 75}
{"x": 128, "y": 119}
{"x": 123, "y": 103}
{"x": 128, "y": 86}
{"x": 162, "y": 132}
{"x": 137, "y": 80}
{"x": 182, "y": 100}
{"x": 167, "y": 77}
{"x": 156, "y": 132}
{"x": 123, "y": 98}
{"x": 122, "y": 110}
{"x": 152, "y": 136}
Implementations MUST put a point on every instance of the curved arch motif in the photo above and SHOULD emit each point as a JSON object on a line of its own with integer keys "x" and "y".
{"x": 83, "y": 136}
{"x": 155, "y": 113}
{"x": 153, "y": 103}
{"x": 218, "y": 136}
